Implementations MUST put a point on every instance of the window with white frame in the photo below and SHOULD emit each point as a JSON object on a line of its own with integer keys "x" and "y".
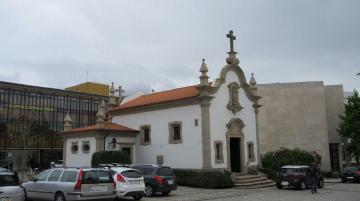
{"x": 219, "y": 156}
{"x": 175, "y": 132}
{"x": 74, "y": 147}
{"x": 251, "y": 154}
{"x": 145, "y": 134}
{"x": 85, "y": 147}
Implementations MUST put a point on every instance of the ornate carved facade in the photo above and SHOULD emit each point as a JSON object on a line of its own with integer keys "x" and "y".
{"x": 234, "y": 104}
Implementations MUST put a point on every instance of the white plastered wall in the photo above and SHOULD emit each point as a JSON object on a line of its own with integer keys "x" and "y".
{"x": 123, "y": 141}
{"x": 187, "y": 154}
{"x": 79, "y": 159}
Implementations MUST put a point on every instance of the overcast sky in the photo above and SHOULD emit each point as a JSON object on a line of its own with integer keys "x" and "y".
{"x": 159, "y": 44}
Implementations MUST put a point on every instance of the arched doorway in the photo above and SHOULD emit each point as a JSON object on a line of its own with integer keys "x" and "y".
{"x": 235, "y": 146}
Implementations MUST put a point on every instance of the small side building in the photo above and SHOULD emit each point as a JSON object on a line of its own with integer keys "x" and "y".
{"x": 81, "y": 143}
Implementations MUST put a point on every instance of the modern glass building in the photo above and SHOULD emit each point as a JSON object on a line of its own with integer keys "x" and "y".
{"x": 29, "y": 118}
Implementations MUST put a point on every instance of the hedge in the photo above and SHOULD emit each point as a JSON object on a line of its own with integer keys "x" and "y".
{"x": 203, "y": 179}
{"x": 275, "y": 160}
{"x": 106, "y": 157}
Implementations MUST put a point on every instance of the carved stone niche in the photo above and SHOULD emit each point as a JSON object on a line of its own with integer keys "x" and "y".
{"x": 234, "y": 104}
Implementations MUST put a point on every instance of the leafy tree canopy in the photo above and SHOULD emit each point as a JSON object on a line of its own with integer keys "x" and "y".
{"x": 349, "y": 128}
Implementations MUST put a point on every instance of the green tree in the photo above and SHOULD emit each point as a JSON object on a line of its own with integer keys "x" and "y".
{"x": 349, "y": 128}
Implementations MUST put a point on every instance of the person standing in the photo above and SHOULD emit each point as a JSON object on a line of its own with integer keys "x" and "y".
{"x": 313, "y": 173}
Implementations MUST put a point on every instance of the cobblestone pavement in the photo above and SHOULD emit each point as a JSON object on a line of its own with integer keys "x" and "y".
{"x": 331, "y": 192}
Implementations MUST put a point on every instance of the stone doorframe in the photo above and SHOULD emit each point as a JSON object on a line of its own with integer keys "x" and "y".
{"x": 235, "y": 127}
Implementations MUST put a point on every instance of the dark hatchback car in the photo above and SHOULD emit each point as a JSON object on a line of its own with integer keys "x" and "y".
{"x": 295, "y": 176}
{"x": 157, "y": 179}
{"x": 351, "y": 173}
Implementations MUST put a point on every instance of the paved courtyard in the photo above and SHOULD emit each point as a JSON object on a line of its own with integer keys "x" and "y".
{"x": 331, "y": 192}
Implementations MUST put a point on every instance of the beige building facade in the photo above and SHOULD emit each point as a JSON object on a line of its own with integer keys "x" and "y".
{"x": 302, "y": 115}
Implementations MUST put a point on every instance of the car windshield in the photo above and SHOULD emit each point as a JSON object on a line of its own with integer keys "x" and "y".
{"x": 351, "y": 169}
{"x": 96, "y": 176}
{"x": 145, "y": 170}
{"x": 289, "y": 170}
{"x": 165, "y": 171}
{"x": 9, "y": 180}
{"x": 131, "y": 174}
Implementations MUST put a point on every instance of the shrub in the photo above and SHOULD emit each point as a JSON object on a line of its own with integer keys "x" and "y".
{"x": 277, "y": 159}
{"x": 271, "y": 174}
{"x": 106, "y": 157}
{"x": 327, "y": 174}
{"x": 204, "y": 179}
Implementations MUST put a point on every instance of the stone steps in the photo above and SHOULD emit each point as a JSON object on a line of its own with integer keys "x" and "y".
{"x": 249, "y": 180}
{"x": 245, "y": 181}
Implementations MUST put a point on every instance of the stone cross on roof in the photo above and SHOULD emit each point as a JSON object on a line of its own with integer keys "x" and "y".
{"x": 231, "y": 36}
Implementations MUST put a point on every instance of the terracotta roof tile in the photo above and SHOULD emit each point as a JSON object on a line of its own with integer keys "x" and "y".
{"x": 161, "y": 97}
{"x": 108, "y": 126}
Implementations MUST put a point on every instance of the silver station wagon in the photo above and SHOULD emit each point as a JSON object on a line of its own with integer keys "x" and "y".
{"x": 65, "y": 184}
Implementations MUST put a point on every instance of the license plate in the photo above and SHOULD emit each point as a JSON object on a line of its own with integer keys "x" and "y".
{"x": 170, "y": 182}
{"x": 284, "y": 183}
{"x": 350, "y": 177}
{"x": 135, "y": 182}
{"x": 98, "y": 188}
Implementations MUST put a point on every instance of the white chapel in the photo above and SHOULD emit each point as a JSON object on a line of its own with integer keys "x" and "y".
{"x": 211, "y": 125}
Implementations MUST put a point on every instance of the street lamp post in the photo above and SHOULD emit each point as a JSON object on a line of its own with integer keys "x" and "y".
{"x": 22, "y": 158}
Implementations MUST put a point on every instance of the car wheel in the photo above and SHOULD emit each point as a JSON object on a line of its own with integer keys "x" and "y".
{"x": 302, "y": 185}
{"x": 279, "y": 186}
{"x": 321, "y": 184}
{"x": 59, "y": 197}
{"x": 343, "y": 180}
{"x": 149, "y": 191}
{"x": 166, "y": 193}
{"x": 137, "y": 197}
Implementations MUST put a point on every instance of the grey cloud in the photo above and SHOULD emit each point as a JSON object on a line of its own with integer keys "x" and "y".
{"x": 159, "y": 44}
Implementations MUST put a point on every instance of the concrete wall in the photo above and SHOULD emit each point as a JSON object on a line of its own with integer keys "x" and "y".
{"x": 334, "y": 99}
{"x": 220, "y": 116}
{"x": 187, "y": 154}
{"x": 294, "y": 115}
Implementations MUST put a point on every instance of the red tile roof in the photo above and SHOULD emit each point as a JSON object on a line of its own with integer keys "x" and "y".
{"x": 160, "y": 97}
{"x": 108, "y": 126}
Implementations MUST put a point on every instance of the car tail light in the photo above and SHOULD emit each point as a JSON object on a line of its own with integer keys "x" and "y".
{"x": 120, "y": 178}
{"x": 159, "y": 179}
{"x": 78, "y": 181}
